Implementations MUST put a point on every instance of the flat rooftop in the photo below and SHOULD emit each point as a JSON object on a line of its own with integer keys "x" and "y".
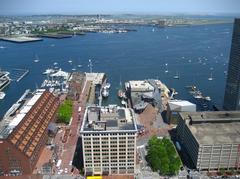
{"x": 108, "y": 119}
{"x": 141, "y": 86}
{"x": 8, "y": 124}
{"x": 96, "y": 78}
{"x": 181, "y": 105}
{"x": 215, "y": 127}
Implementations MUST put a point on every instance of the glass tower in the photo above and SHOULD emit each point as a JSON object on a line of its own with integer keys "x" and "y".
{"x": 232, "y": 90}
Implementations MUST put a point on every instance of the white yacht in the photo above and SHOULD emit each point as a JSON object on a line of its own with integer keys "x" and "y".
{"x": 2, "y": 95}
{"x": 48, "y": 71}
{"x": 207, "y": 98}
{"x": 105, "y": 90}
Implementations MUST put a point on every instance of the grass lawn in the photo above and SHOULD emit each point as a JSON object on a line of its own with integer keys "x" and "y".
{"x": 65, "y": 112}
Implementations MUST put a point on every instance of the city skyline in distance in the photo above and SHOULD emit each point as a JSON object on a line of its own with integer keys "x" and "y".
{"x": 80, "y": 7}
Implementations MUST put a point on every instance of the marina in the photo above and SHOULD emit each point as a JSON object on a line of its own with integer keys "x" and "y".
{"x": 4, "y": 79}
{"x": 129, "y": 62}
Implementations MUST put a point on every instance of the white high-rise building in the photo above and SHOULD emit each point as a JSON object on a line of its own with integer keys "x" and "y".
{"x": 109, "y": 140}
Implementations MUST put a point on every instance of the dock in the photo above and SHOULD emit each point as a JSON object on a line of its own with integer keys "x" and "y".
{"x": 21, "y": 39}
{"x": 24, "y": 74}
{"x": 18, "y": 74}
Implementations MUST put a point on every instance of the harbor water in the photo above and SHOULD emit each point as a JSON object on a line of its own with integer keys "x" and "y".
{"x": 192, "y": 52}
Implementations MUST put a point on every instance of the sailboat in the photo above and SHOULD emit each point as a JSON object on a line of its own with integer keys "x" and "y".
{"x": 210, "y": 78}
{"x": 177, "y": 76}
{"x": 166, "y": 71}
{"x": 36, "y": 59}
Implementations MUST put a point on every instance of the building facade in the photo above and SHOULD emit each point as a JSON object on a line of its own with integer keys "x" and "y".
{"x": 211, "y": 139}
{"x": 232, "y": 90}
{"x": 109, "y": 140}
{"x": 24, "y": 134}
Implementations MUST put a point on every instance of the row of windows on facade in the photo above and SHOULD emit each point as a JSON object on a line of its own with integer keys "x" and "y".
{"x": 108, "y": 134}
{"x": 109, "y": 165}
{"x": 222, "y": 156}
{"x": 106, "y": 167}
{"x": 107, "y": 146}
{"x": 111, "y": 153}
{"x": 109, "y": 142}
{"x": 107, "y": 138}
{"x": 130, "y": 160}
{"x": 98, "y": 150}
{"x": 224, "y": 161}
{"x": 107, "y": 158}
{"x": 219, "y": 151}
{"x": 107, "y": 151}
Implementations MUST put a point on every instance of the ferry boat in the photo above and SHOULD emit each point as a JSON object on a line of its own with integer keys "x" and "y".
{"x": 4, "y": 79}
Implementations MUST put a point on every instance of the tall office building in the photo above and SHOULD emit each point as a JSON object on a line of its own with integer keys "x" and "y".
{"x": 109, "y": 140}
{"x": 232, "y": 90}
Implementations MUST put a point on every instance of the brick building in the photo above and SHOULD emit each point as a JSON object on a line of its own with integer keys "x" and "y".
{"x": 24, "y": 133}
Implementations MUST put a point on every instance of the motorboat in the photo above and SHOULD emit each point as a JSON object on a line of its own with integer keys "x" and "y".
{"x": 2, "y": 95}
{"x": 177, "y": 76}
{"x": 36, "y": 60}
{"x": 210, "y": 78}
{"x": 105, "y": 89}
{"x": 207, "y": 98}
{"x": 48, "y": 71}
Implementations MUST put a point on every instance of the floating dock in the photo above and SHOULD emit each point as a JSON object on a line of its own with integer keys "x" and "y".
{"x": 18, "y": 74}
{"x": 24, "y": 74}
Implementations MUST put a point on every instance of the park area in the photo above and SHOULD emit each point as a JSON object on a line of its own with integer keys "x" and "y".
{"x": 65, "y": 112}
{"x": 162, "y": 156}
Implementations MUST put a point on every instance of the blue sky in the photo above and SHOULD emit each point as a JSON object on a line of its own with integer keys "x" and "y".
{"x": 17, "y": 7}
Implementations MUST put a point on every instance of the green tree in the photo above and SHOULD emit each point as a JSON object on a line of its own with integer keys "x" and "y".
{"x": 162, "y": 156}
